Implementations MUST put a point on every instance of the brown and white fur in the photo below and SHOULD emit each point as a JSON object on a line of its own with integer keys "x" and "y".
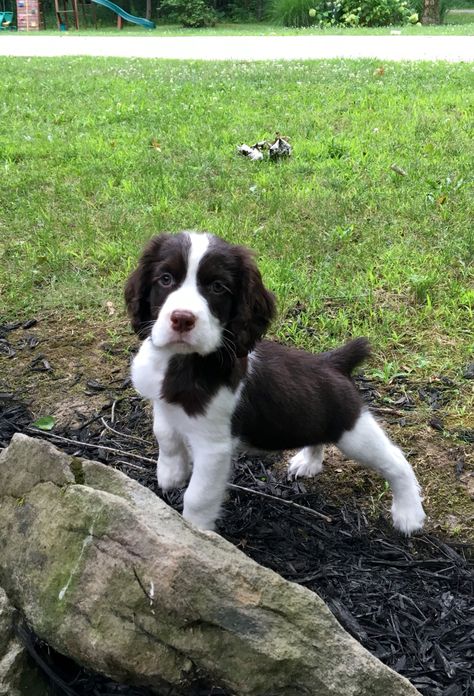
{"x": 202, "y": 308}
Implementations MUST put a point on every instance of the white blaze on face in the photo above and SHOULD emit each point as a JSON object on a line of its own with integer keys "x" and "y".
{"x": 206, "y": 335}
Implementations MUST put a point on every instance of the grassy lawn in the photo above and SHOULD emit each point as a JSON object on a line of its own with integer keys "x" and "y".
{"x": 356, "y": 247}
{"x": 459, "y": 18}
{"x": 98, "y": 154}
{"x": 456, "y": 25}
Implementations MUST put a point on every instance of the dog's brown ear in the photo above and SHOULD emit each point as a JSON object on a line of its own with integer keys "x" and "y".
{"x": 137, "y": 306}
{"x": 138, "y": 288}
{"x": 254, "y": 307}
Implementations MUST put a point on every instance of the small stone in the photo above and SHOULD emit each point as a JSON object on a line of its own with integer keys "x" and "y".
{"x": 94, "y": 385}
{"x": 469, "y": 371}
{"x": 436, "y": 424}
{"x": 17, "y": 676}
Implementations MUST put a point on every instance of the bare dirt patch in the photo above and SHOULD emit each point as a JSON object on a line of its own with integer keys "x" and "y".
{"x": 78, "y": 372}
{"x": 70, "y": 369}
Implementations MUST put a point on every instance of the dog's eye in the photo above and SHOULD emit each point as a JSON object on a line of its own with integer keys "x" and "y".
{"x": 217, "y": 287}
{"x": 166, "y": 280}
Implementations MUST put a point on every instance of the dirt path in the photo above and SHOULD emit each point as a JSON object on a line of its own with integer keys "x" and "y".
{"x": 449, "y": 48}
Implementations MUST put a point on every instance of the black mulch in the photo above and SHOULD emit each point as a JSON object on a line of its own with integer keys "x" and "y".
{"x": 409, "y": 601}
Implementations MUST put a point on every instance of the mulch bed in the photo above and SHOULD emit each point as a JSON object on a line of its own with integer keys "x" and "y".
{"x": 408, "y": 601}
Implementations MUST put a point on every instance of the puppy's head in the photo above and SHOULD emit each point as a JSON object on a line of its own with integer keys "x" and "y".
{"x": 195, "y": 293}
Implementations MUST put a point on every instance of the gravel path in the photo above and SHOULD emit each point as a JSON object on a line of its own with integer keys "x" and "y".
{"x": 449, "y": 48}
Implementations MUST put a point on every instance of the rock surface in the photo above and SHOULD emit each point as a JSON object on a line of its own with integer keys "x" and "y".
{"x": 17, "y": 676}
{"x": 111, "y": 576}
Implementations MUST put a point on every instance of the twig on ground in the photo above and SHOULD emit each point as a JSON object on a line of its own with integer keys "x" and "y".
{"x": 117, "y": 432}
{"x": 92, "y": 446}
{"x": 386, "y": 410}
{"x": 290, "y": 503}
{"x": 132, "y": 466}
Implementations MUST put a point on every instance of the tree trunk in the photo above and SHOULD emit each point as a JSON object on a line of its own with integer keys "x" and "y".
{"x": 148, "y": 9}
{"x": 431, "y": 12}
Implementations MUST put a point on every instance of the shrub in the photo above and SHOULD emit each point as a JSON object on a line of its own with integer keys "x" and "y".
{"x": 368, "y": 13}
{"x": 376, "y": 13}
{"x": 293, "y": 13}
{"x": 243, "y": 10}
{"x": 190, "y": 13}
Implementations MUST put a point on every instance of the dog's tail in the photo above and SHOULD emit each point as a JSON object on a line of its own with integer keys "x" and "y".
{"x": 346, "y": 358}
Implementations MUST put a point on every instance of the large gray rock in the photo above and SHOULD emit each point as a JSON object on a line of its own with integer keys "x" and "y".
{"x": 108, "y": 574}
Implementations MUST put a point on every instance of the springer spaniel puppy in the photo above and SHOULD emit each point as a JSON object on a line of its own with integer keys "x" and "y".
{"x": 202, "y": 308}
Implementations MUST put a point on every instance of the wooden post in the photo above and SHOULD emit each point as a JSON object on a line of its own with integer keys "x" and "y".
{"x": 75, "y": 13}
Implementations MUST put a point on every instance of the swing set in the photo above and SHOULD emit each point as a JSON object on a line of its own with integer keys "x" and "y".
{"x": 6, "y": 18}
{"x": 30, "y": 16}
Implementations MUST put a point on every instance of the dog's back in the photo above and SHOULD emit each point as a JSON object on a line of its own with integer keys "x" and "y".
{"x": 291, "y": 398}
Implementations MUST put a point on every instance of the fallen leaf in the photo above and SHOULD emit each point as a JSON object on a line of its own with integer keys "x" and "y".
{"x": 44, "y": 423}
{"x": 110, "y": 308}
{"x": 155, "y": 145}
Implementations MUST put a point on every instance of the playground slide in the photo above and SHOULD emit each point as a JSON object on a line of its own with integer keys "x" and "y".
{"x": 148, "y": 24}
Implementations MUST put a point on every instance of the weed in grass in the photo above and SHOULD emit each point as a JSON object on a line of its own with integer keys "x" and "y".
{"x": 388, "y": 372}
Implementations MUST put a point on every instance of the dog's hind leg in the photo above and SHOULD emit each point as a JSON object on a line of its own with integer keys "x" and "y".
{"x": 307, "y": 462}
{"x": 368, "y": 444}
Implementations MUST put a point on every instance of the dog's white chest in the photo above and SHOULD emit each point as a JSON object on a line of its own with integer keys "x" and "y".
{"x": 148, "y": 371}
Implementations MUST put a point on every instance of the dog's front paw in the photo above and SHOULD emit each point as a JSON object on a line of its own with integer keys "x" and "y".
{"x": 199, "y": 519}
{"x": 408, "y": 517}
{"x": 172, "y": 473}
{"x": 307, "y": 462}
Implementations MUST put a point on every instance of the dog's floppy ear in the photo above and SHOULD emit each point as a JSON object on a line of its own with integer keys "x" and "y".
{"x": 254, "y": 306}
{"x": 138, "y": 287}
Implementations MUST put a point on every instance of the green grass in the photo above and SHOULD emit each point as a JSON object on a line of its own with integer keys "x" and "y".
{"x": 457, "y": 25}
{"x": 349, "y": 246}
{"x": 460, "y": 18}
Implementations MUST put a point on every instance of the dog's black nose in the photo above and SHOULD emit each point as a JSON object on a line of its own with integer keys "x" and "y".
{"x": 182, "y": 320}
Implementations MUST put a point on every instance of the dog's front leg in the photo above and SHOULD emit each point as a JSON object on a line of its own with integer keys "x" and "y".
{"x": 206, "y": 490}
{"x": 174, "y": 465}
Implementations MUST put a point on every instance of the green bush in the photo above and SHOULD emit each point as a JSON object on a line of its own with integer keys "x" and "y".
{"x": 377, "y": 13}
{"x": 190, "y": 13}
{"x": 365, "y": 13}
{"x": 293, "y": 13}
{"x": 242, "y": 10}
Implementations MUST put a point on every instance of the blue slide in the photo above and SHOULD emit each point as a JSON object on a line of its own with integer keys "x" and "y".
{"x": 147, "y": 23}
